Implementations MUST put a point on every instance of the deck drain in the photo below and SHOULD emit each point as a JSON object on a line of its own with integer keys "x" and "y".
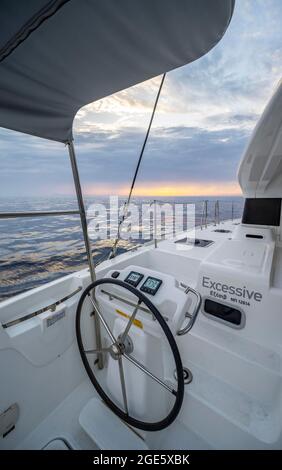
{"x": 187, "y": 375}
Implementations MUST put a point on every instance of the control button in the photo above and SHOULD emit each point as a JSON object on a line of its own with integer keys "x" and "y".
{"x": 115, "y": 274}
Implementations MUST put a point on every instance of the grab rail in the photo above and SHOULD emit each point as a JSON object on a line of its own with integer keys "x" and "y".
{"x": 192, "y": 316}
{"x": 51, "y": 307}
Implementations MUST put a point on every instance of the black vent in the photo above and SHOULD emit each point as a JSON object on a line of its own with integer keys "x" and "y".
{"x": 223, "y": 312}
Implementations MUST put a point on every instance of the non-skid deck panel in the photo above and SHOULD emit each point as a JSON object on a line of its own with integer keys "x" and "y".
{"x": 107, "y": 430}
{"x": 259, "y": 420}
{"x": 63, "y": 422}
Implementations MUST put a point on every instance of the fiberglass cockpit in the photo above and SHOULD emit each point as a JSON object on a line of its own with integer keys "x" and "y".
{"x": 182, "y": 346}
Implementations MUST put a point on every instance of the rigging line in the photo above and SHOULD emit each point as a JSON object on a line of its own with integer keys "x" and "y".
{"x": 114, "y": 247}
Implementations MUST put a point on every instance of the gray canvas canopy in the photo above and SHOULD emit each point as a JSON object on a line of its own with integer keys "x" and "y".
{"x": 57, "y": 56}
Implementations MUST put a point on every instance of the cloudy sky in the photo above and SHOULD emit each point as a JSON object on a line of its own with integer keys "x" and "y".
{"x": 205, "y": 116}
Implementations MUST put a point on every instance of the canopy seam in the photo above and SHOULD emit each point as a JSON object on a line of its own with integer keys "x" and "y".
{"x": 30, "y": 26}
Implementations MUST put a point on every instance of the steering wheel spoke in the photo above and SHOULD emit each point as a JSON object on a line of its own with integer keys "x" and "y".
{"x": 96, "y": 351}
{"x": 130, "y": 321}
{"x": 122, "y": 381}
{"x": 150, "y": 374}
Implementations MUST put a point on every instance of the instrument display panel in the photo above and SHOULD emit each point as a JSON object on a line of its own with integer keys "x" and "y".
{"x": 134, "y": 278}
{"x": 151, "y": 285}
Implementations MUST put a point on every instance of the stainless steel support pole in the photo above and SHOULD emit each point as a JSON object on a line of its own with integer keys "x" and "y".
{"x": 202, "y": 215}
{"x": 216, "y": 213}
{"x": 86, "y": 241}
{"x": 155, "y": 225}
{"x": 206, "y": 213}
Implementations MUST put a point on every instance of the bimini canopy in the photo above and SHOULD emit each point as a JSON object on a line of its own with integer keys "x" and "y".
{"x": 57, "y": 56}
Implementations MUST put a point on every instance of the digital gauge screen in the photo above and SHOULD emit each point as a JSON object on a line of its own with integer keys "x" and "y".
{"x": 134, "y": 278}
{"x": 151, "y": 285}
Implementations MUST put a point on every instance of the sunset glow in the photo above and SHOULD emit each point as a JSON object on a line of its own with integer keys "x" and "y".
{"x": 203, "y": 122}
{"x": 168, "y": 189}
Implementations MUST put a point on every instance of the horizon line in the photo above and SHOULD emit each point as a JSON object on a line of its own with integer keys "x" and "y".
{"x": 53, "y": 195}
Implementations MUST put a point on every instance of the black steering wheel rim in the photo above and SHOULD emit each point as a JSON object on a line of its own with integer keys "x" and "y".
{"x": 179, "y": 393}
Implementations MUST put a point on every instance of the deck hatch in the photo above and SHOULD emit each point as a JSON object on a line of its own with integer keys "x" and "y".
{"x": 195, "y": 242}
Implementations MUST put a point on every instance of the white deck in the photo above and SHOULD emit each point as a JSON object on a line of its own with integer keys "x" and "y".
{"x": 234, "y": 400}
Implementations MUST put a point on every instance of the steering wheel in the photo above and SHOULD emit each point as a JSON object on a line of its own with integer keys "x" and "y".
{"x": 121, "y": 349}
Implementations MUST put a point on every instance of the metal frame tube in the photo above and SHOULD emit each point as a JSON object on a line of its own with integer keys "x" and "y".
{"x": 83, "y": 220}
{"x": 14, "y": 215}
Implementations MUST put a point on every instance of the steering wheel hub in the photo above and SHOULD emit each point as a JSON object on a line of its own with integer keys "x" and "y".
{"x": 115, "y": 351}
{"x": 122, "y": 346}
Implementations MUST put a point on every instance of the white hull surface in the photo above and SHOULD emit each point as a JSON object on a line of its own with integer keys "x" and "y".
{"x": 234, "y": 400}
